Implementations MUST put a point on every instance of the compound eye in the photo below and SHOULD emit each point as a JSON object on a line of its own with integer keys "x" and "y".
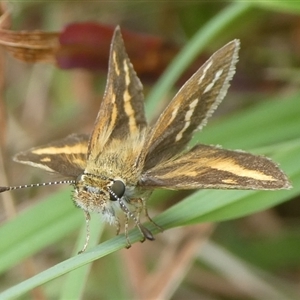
{"x": 118, "y": 189}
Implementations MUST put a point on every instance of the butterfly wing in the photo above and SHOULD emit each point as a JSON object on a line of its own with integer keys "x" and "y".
{"x": 66, "y": 156}
{"x": 121, "y": 111}
{"x": 192, "y": 105}
{"x": 213, "y": 167}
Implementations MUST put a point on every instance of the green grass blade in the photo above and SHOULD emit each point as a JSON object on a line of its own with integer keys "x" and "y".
{"x": 75, "y": 281}
{"x": 43, "y": 224}
{"x": 269, "y": 122}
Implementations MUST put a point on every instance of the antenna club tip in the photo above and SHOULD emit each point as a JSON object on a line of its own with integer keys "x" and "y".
{"x": 4, "y": 189}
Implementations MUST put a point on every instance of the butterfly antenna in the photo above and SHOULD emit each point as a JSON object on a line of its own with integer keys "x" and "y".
{"x": 10, "y": 188}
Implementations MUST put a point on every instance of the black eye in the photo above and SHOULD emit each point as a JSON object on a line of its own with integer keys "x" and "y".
{"x": 118, "y": 189}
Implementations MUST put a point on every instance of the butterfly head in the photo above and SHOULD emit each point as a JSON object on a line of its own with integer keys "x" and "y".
{"x": 98, "y": 193}
{"x": 104, "y": 195}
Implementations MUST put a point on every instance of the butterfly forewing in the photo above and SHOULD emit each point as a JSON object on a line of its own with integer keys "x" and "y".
{"x": 212, "y": 167}
{"x": 66, "y": 156}
{"x": 192, "y": 105}
{"x": 122, "y": 109}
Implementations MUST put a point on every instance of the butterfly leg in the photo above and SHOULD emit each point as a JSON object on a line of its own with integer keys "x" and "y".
{"x": 118, "y": 226}
{"x": 139, "y": 207}
{"x": 145, "y": 210}
{"x": 126, "y": 231}
{"x": 146, "y": 233}
{"x": 87, "y": 238}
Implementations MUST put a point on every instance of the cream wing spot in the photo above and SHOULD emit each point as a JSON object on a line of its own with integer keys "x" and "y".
{"x": 205, "y": 71}
{"x": 36, "y": 165}
{"x": 229, "y": 165}
{"x": 116, "y": 67}
{"x": 114, "y": 113}
{"x": 173, "y": 115}
{"x": 59, "y": 150}
{"x": 229, "y": 181}
{"x": 216, "y": 77}
{"x": 187, "y": 119}
{"x": 46, "y": 159}
{"x": 127, "y": 103}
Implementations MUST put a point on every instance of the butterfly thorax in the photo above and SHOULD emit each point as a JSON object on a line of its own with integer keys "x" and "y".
{"x": 119, "y": 158}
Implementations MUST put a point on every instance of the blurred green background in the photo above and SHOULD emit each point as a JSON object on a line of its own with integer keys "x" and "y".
{"x": 253, "y": 255}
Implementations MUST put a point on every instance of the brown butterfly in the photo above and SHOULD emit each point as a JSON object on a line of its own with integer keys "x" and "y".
{"x": 124, "y": 160}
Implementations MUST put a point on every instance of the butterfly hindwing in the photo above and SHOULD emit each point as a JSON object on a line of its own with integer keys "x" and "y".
{"x": 212, "y": 167}
{"x": 192, "y": 105}
{"x": 66, "y": 156}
